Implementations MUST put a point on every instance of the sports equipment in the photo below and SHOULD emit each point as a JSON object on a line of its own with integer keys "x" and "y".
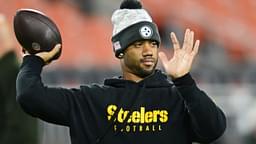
{"x": 36, "y": 32}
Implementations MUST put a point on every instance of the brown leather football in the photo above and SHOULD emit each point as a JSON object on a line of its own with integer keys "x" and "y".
{"x": 36, "y": 32}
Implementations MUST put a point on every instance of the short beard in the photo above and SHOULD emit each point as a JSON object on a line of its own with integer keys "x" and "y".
{"x": 142, "y": 72}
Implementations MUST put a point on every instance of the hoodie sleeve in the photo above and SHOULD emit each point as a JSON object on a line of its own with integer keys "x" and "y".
{"x": 207, "y": 120}
{"x": 49, "y": 104}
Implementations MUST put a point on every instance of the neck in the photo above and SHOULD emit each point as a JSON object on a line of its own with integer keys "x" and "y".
{"x": 131, "y": 77}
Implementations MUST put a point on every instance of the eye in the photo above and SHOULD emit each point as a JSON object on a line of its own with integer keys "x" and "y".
{"x": 138, "y": 44}
{"x": 154, "y": 44}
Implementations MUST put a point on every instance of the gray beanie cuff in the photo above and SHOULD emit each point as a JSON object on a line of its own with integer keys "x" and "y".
{"x": 136, "y": 32}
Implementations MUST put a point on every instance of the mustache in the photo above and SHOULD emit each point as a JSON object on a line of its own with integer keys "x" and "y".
{"x": 148, "y": 59}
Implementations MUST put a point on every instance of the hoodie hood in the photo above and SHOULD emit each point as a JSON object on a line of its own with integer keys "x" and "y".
{"x": 157, "y": 79}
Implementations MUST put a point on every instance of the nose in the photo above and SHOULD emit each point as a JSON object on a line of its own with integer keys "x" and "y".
{"x": 147, "y": 49}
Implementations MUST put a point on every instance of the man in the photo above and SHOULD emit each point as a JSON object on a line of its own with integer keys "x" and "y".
{"x": 141, "y": 106}
{"x": 15, "y": 125}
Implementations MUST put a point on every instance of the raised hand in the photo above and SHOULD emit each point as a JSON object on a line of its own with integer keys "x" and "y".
{"x": 181, "y": 62}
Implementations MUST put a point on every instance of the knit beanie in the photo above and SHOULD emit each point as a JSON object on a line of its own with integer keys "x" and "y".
{"x": 132, "y": 23}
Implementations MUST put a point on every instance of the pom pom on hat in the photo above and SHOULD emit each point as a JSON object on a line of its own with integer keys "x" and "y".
{"x": 130, "y": 4}
{"x": 132, "y": 23}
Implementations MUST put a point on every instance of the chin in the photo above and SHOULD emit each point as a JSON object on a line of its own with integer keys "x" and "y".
{"x": 145, "y": 72}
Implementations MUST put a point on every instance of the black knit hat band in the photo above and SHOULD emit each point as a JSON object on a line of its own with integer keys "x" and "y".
{"x": 136, "y": 32}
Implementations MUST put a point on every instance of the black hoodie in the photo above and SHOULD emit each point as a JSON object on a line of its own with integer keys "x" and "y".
{"x": 151, "y": 111}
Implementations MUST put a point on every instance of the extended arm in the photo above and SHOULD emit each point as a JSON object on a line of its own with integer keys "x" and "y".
{"x": 49, "y": 104}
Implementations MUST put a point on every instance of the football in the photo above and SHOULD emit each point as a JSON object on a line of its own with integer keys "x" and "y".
{"x": 36, "y": 32}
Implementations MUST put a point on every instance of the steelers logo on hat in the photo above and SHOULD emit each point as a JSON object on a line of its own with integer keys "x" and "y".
{"x": 146, "y": 32}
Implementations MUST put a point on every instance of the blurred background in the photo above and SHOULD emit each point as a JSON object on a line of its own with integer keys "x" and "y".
{"x": 225, "y": 67}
